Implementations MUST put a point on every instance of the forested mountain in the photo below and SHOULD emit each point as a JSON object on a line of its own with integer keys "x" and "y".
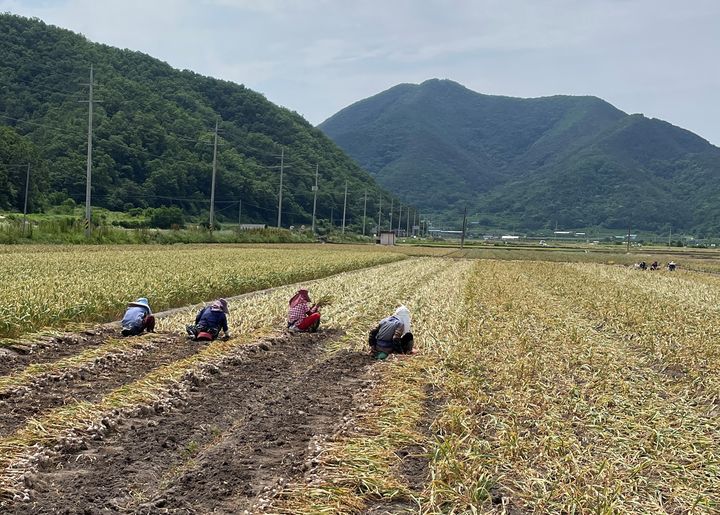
{"x": 153, "y": 135}
{"x": 532, "y": 163}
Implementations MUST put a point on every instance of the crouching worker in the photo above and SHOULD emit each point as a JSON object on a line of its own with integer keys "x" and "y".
{"x": 392, "y": 335}
{"x": 138, "y": 318}
{"x": 209, "y": 321}
{"x": 302, "y": 317}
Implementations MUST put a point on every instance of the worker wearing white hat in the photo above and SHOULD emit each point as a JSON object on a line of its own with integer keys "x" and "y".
{"x": 138, "y": 318}
{"x": 392, "y": 335}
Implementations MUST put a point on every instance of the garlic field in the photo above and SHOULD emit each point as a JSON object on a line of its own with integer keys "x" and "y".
{"x": 539, "y": 387}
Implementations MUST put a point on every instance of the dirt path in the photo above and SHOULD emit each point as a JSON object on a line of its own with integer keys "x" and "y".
{"x": 227, "y": 442}
{"x": 91, "y": 381}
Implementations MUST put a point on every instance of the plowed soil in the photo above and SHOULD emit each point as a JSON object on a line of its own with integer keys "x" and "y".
{"x": 46, "y": 349}
{"x": 225, "y": 443}
{"x": 89, "y": 382}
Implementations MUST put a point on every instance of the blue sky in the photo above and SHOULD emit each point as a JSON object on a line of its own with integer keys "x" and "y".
{"x": 656, "y": 57}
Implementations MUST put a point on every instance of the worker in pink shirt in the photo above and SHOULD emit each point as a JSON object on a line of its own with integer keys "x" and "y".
{"x": 302, "y": 316}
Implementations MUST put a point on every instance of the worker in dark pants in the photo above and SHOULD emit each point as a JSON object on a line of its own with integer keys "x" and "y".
{"x": 209, "y": 321}
{"x": 392, "y": 335}
{"x": 138, "y": 318}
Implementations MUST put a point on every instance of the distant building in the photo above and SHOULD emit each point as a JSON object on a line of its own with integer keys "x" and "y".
{"x": 386, "y": 238}
{"x": 509, "y": 237}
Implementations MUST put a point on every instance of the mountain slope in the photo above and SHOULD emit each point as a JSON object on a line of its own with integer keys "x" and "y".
{"x": 153, "y": 134}
{"x": 532, "y": 163}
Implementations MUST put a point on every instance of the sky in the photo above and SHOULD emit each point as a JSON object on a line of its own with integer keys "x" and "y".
{"x": 656, "y": 57}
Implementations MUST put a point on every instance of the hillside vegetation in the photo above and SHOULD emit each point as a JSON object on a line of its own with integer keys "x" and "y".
{"x": 531, "y": 163}
{"x": 153, "y": 136}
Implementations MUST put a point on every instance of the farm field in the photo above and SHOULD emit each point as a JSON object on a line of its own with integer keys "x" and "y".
{"x": 49, "y": 287}
{"x": 539, "y": 387}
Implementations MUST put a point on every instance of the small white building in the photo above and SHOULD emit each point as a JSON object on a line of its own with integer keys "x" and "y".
{"x": 386, "y": 238}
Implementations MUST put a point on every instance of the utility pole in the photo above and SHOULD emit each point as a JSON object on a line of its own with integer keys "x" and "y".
{"x": 462, "y": 237}
{"x": 88, "y": 178}
{"x": 627, "y": 248}
{"x": 239, "y": 213}
{"x": 415, "y": 216}
{"x": 212, "y": 186}
{"x": 407, "y": 231}
{"x": 27, "y": 188}
{"x": 332, "y": 216}
{"x": 282, "y": 166}
{"x": 399, "y": 220}
{"x": 364, "y": 212}
{"x": 344, "y": 208}
{"x": 379, "y": 217}
{"x": 392, "y": 200}
{"x": 670, "y": 237}
{"x": 315, "y": 191}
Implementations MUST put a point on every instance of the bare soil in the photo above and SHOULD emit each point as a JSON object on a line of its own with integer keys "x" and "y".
{"x": 92, "y": 381}
{"x": 46, "y": 349}
{"x": 222, "y": 446}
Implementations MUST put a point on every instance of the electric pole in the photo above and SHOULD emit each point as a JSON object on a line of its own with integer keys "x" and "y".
{"x": 407, "y": 231}
{"x": 392, "y": 200}
{"x": 88, "y": 178}
{"x": 399, "y": 220}
{"x": 239, "y": 213}
{"x": 415, "y": 216}
{"x": 364, "y": 212}
{"x": 344, "y": 208}
{"x": 27, "y": 187}
{"x": 462, "y": 237}
{"x": 379, "y": 217}
{"x": 282, "y": 166}
{"x": 212, "y": 186}
{"x": 315, "y": 191}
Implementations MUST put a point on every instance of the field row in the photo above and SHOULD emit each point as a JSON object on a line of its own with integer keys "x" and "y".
{"x": 56, "y": 287}
{"x": 548, "y": 388}
{"x": 63, "y": 429}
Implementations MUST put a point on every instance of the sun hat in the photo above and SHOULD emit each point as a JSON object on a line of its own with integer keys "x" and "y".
{"x": 142, "y": 302}
{"x": 220, "y": 305}
{"x": 301, "y": 295}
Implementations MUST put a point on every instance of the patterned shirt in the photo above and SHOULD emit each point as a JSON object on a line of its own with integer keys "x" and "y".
{"x": 298, "y": 312}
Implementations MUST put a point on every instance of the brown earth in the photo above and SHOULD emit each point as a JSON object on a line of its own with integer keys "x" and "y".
{"x": 91, "y": 381}
{"x": 46, "y": 349}
{"x": 222, "y": 443}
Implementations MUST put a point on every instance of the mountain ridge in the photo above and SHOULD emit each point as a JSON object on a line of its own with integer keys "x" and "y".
{"x": 494, "y": 150}
{"x": 153, "y": 135}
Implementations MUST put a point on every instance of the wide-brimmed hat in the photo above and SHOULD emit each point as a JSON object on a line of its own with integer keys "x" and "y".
{"x": 220, "y": 305}
{"x": 301, "y": 295}
{"x": 142, "y": 302}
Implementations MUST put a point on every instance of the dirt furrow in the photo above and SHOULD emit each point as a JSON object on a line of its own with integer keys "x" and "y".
{"x": 262, "y": 453}
{"x": 89, "y": 382}
{"x": 248, "y": 426}
{"x": 46, "y": 349}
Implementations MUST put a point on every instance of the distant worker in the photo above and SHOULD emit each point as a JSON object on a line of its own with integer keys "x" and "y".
{"x": 209, "y": 321}
{"x": 138, "y": 318}
{"x": 671, "y": 266}
{"x": 654, "y": 265}
{"x": 302, "y": 317}
{"x": 392, "y": 335}
{"x": 643, "y": 265}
